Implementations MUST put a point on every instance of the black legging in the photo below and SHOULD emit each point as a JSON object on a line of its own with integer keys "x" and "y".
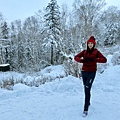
{"x": 88, "y": 78}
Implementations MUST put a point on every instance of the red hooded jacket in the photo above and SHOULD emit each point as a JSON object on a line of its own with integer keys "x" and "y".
{"x": 90, "y": 65}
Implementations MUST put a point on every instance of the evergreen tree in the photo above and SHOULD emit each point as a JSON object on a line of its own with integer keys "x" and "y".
{"x": 5, "y": 41}
{"x": 4, "y": 30}
{"x": 52, "y": 29}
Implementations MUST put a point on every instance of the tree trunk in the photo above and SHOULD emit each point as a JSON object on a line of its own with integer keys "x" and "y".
{"x": 52, "y": 56}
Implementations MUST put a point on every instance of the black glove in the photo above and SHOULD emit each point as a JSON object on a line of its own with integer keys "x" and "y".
{"x": 91, "y": 59}
{"x": 84, "y": 60}
{"x": 88, "y": 59}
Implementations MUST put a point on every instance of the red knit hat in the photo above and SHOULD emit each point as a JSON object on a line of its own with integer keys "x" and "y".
{"x": 91, "y": 39}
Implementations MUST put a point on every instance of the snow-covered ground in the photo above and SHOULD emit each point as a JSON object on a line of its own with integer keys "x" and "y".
{"x": 63, "y": 98}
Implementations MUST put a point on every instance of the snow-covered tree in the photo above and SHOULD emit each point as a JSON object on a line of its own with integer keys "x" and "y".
{"x": 1, "y": 22}
{"x": 4, "y": 40}
{"x": 86, "y": 14}
{"x": 52, "y": 30}
{"x": 14, "y": 47}
{"x": 110, "y": 25}
{"x": 4, "y": 30}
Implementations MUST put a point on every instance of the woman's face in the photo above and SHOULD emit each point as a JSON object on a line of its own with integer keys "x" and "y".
{"x": 90, "y": 45}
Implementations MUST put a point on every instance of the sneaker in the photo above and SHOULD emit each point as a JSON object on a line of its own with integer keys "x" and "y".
{"x": 85, "y": 113}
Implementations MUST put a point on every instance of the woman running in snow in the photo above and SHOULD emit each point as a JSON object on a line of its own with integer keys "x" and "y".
{"x": 89, "y": 58}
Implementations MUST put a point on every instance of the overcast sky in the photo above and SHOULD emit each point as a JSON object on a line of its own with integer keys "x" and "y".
{"x": 21, "y": 9}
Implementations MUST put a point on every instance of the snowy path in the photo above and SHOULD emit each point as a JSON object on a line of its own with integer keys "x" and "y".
{"x": 63, "y": 99}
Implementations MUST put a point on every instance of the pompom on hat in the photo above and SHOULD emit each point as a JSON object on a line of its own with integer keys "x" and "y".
{"x": 91, "y": 39}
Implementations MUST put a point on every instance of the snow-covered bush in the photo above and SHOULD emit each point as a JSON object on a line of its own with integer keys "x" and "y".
{"x": 8, "y": 84}
{"x": 28, "y": 80}
{"x": 9, "y": 79}
{"x": 116, "y": 58}
{"x": 113, "y": 55}
{"x": 72, "y": 67}
{"x": 6, "y": 81}
{"x": 101, "y": 67}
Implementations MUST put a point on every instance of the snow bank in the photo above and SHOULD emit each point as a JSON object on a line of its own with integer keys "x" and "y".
{"x": 8, "y": 79}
